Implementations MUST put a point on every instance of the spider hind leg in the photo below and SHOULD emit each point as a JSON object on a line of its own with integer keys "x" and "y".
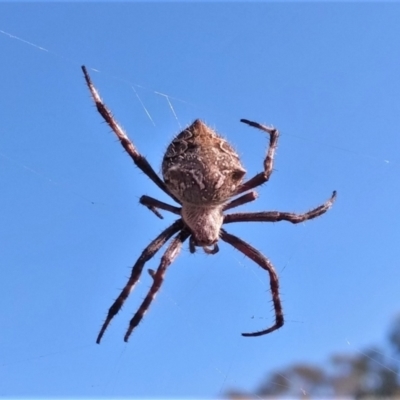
{"x": 263, "y": 176}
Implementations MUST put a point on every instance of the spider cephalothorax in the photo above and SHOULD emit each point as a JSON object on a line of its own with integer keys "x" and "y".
{"x": 203, "y": 174}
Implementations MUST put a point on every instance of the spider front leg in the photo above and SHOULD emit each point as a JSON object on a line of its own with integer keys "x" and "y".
{"x": 265, "y": 264}
{"x": 158, "y": 278}
{"x": 262, "y": 177}
{"x": 137, "y": 269}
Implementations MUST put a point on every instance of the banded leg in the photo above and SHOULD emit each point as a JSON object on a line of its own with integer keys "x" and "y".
{"x": 264, "y": 263}
{"x": 262, "y": 177}
{"x": 275, "y": 216}
{"x": 129, "y": 147}
{"x": 146, "y": 255}
{"x": 158, "y": 278}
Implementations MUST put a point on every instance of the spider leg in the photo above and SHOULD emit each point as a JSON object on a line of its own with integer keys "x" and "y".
{"x": 262, "y": 177}
{"x": 146, "y": 255}
{"x": 158, "y": 278}
{"x": 246, "y": 198}
{"x": 264, "y": 263}
{"x": 153, "y": 205}
{"x": 129, "y": 147}
{"x": 275, "y": 216}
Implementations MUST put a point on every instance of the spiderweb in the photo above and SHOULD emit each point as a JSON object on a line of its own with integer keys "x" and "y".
{"x": 72, "y": 229}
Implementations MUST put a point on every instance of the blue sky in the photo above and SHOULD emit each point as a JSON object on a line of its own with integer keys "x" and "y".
{"x": 325, "y": 74}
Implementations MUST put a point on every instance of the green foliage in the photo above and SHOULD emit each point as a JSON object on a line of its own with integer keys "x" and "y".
{"x": 369, "y": 374}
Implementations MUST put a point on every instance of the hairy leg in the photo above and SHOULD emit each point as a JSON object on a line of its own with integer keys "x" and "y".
{"x": 146, "y": 255}
{"x": 262, "y": 177}
{"x": 154, "y": 204}
{"x": 246, "y": 198}
{"x": 129, "y": 147}
{"x": 158, "y": 278}
{"x": 275, "y": 216}
{"x": 265, "y": 264}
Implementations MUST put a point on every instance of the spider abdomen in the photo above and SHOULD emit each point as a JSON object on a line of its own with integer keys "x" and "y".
{"x": 200, "y": 167}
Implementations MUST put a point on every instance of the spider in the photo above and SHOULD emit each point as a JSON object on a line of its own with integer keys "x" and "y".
{"x": 204, "y": 175}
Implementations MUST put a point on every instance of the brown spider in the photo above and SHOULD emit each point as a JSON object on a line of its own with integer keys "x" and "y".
{"x": 202, "y": 173}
